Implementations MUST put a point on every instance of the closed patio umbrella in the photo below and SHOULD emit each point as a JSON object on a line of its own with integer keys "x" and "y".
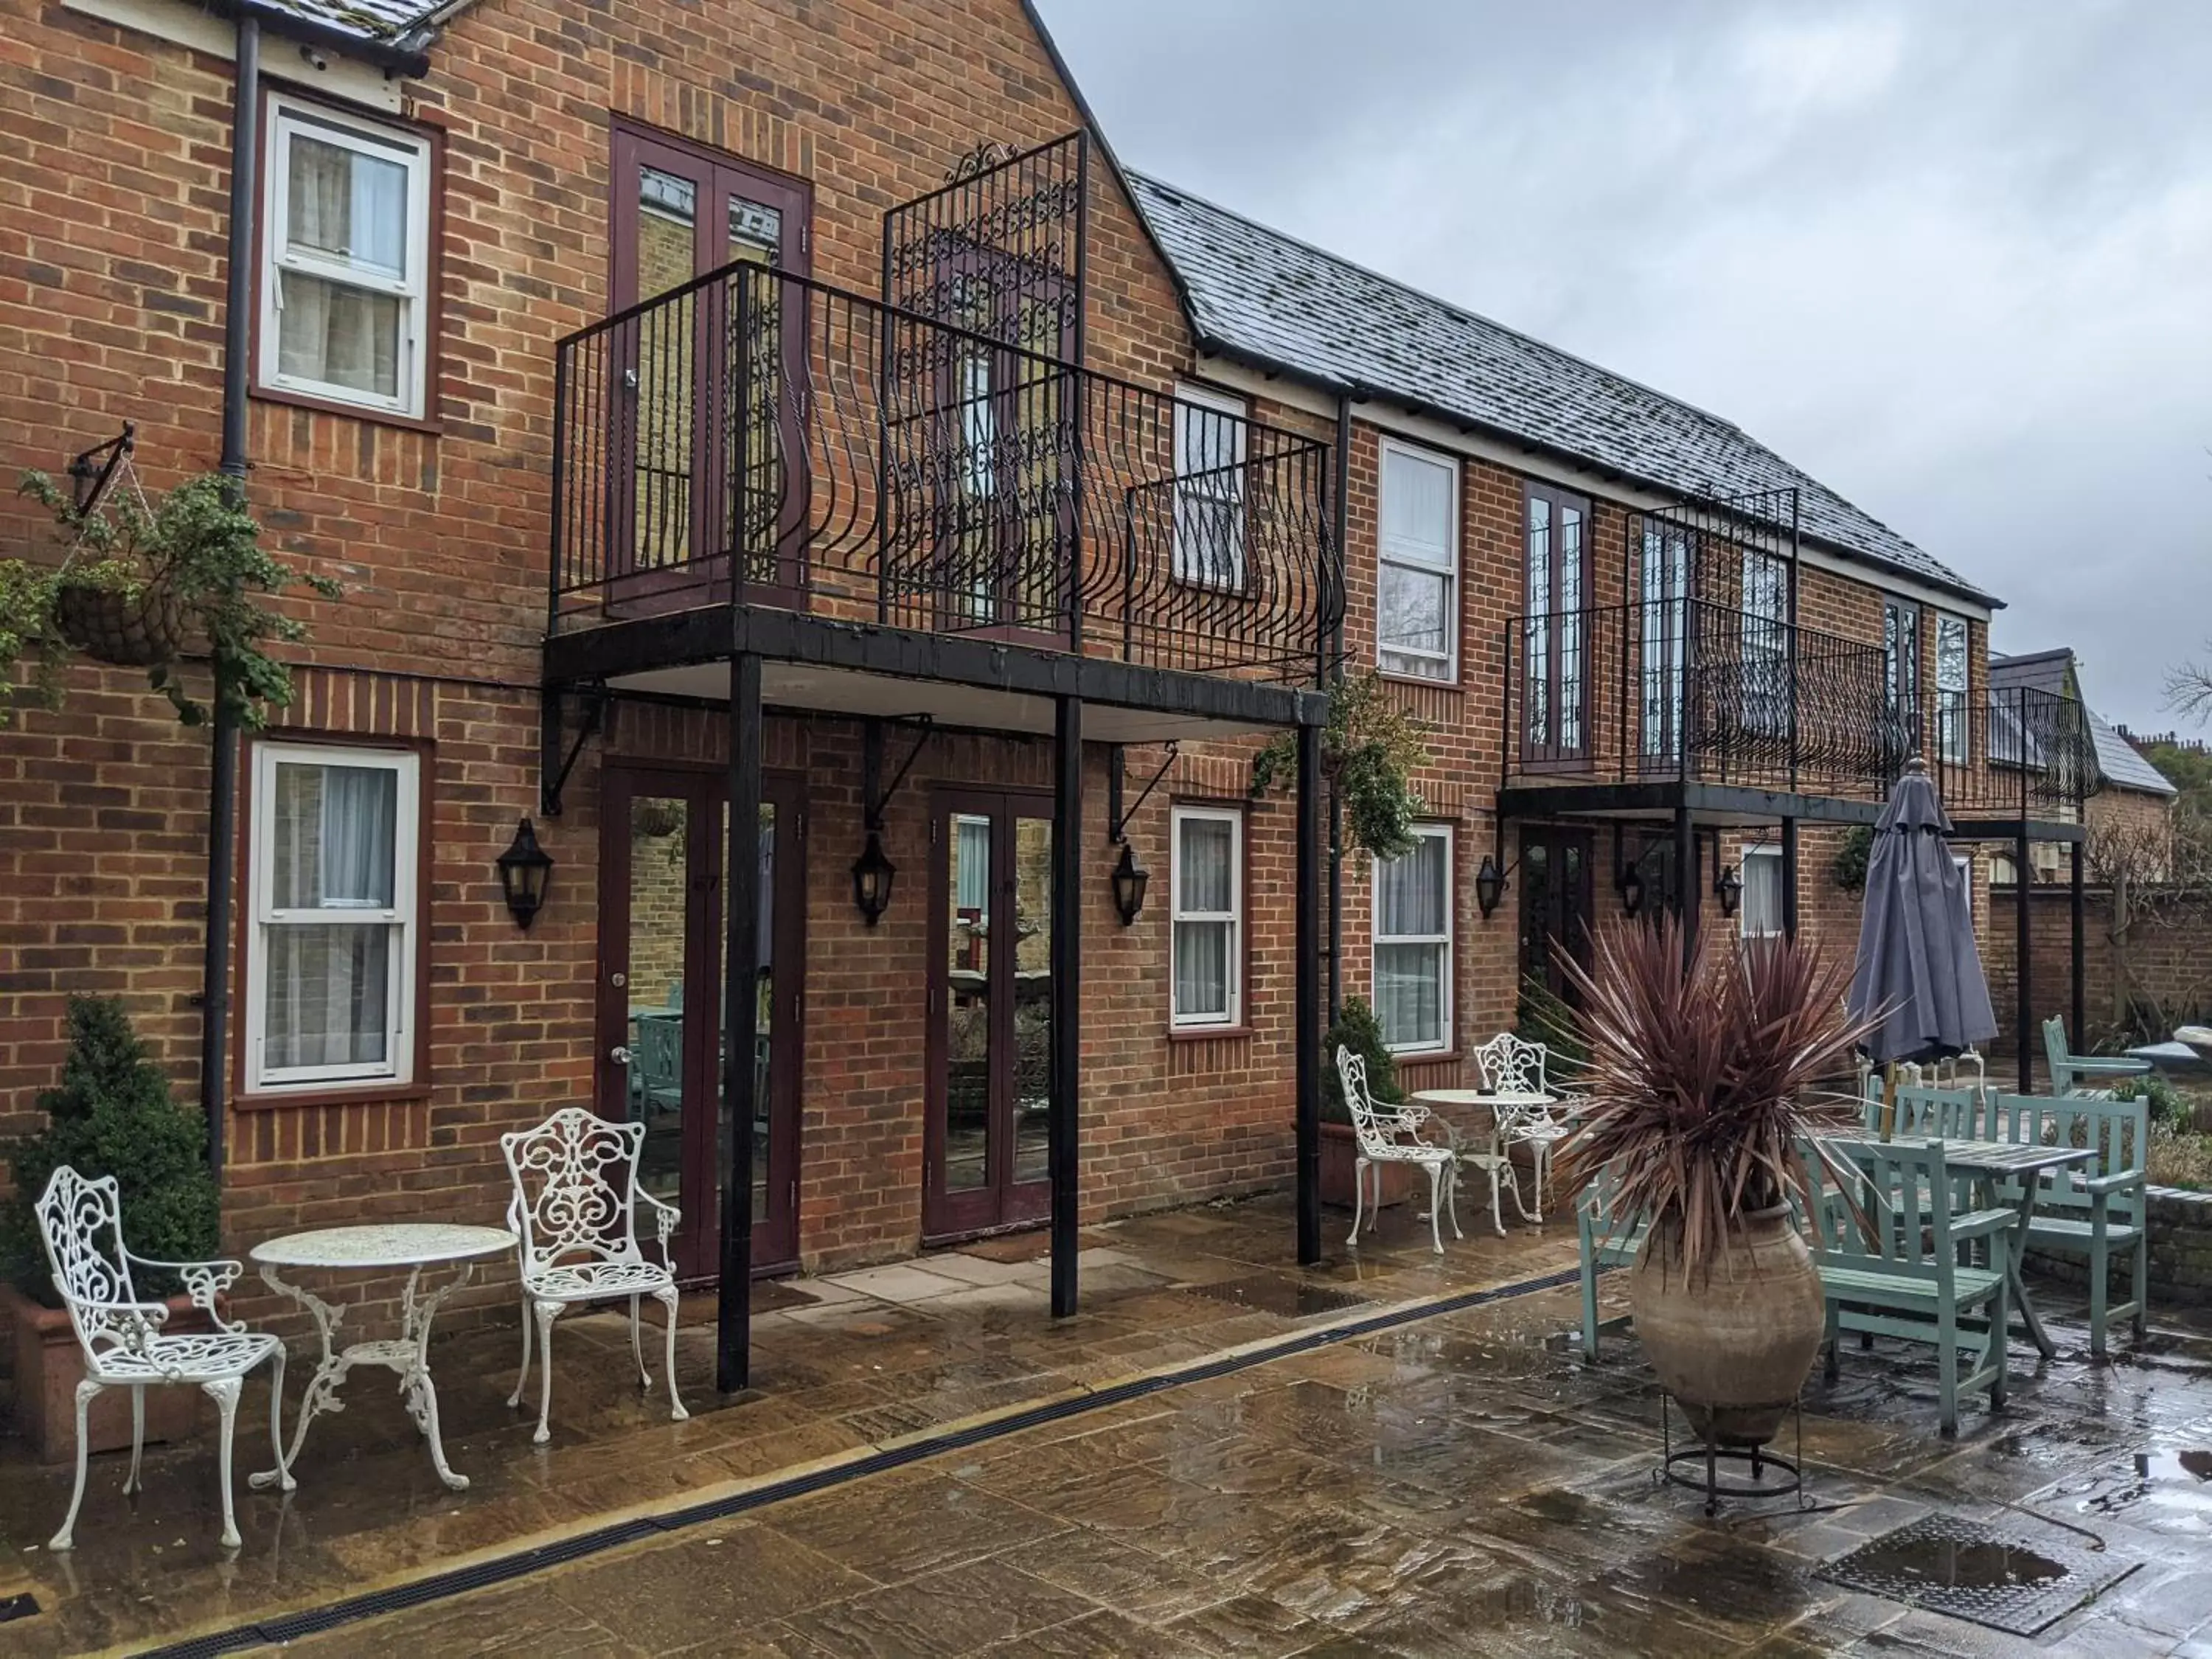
{"x": 1916, "y": 958}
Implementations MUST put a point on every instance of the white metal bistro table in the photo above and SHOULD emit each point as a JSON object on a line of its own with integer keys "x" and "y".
{"x": 1990, "y": 1164}
{"x": 1497, "y": 1160}
{"x": 414, "y": 1245}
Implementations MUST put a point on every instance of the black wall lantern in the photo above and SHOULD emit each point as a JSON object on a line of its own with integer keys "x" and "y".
{"x": 1730, "y": 885}
{"x": 1632, "y": 890}
{"x": 1129, "y": 880}
{"x": 1489, "y": 885}
{"x": 525, "y": 871}
{"x": 873, "y": 874}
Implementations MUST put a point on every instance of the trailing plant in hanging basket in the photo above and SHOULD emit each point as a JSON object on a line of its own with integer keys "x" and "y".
{"x": 654, "y": 818}
{"x": 1370, "y": 750}
{"x": 144, "y": 583}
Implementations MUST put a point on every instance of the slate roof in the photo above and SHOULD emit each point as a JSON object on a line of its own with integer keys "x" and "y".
{"x": 1256, "y": 292}
{"x": 2057, "y": 672}
{"x": 383, "y": 22}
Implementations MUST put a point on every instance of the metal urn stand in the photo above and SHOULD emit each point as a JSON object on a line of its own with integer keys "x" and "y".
{"x": 1699, "y": 1466}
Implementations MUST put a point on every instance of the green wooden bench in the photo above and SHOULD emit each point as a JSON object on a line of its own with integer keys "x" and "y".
{"x": 1604, "y": 1242}
{"x": 1902, "y": 1274}
{"x": 2085, "y": 1074}
{"x": 2095, "y": 1209}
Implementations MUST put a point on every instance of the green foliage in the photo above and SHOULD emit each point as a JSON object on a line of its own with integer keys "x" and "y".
{"x": 1850, "y": 866}
{"x": 112, "y": 1114}
{"x": 2168, "y": 1105}
{"x": 204, "y": 547}
{"x": 1369, "y": 752}
{"x": 1358, "y": 1030}
{"x": 1543, "y": 1017}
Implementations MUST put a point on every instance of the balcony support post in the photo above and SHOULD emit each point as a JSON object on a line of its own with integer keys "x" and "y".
{"x": 1306, "y": 991}
{"x": 1687, "y": 896}
{"x": 1790, "y": 878}
{"x": 2024, "y": 998}
{"x": 740, "y": 1025}
{"x": 2079, "y": 1042}
{"x": 1062, "y": 1122}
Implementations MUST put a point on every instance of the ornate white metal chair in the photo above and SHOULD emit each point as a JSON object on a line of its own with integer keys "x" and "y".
{"x": 1528, "y": 1112}
{"x": 1394, "y": 1134}
{"x": 80, "y": 1224}
{"x": 575, "y": 1212}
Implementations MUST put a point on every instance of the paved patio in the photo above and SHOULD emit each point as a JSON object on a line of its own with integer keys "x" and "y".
{"x": 1456, "y": 1482}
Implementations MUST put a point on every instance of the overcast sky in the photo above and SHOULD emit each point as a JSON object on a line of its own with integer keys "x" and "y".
{"x": 1954, "y": 258}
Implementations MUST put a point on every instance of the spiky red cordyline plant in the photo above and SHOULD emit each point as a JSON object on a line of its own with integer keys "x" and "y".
{"x": 1701, "y": 1079}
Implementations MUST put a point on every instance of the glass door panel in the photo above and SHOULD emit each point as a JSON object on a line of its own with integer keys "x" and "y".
{"x": 990, "y": 1007}
{"x": 967, "y": 1003}
{"x": 660, "y": 836}
{"x": 1032, "y": 1053}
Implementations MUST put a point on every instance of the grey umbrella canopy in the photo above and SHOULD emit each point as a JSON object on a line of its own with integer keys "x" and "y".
{"x": 1917, "y": 956}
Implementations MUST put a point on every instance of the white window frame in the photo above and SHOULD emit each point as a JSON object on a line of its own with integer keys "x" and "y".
{"x": 1448, "y": 1020}
{"x": 1744, "y": 929}
{"x": 1953, "y": 733}
{"x": 1233, "y": 1016}
{"x": 289, "y": 116}
{"x": 403, "y": 918}
{"x": 1964, "y": 863}
{"x": 1215, "y": 496}
{"x": 1386, "y": 554}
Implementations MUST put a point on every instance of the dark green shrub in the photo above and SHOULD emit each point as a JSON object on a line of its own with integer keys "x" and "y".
{"x": 1850, "y": 866}
{"x": 1358, "y": 1030}
{"x": 2168, "y": 1105}
{"x": 112, "y": 1114}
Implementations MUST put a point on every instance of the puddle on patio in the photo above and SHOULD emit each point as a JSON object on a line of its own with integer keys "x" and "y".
{"x": 2163, "y": 1491}
{"x": 1271, "y": 1293}
{"x": 1957, "y": 1564}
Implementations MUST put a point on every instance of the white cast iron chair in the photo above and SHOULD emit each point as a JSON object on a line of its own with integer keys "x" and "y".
{"x": 1512, "y": 1066}
{"x": 79, "y": 1220}
{"x": 1392, "y": 1134}
{"x": 574, "y": 1211}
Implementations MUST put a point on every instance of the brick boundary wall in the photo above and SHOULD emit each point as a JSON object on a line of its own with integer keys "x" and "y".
{"x": 2180, "y": 1252}
{"x": 2170, "y": 956}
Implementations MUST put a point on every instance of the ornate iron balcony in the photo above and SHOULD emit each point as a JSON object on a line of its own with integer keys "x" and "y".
{"x": 755, "y": 438}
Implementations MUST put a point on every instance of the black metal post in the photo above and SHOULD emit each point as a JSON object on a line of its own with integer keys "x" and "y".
{"x": 1063, "y": 1123}
{"x": 740, "y": 1023}
{"x": 224, "y": 742}
{"x": 1335, "y": 651}
{"x": 1305, "y": 989}
{"x": 1688, "y": 899}
{"x": 1790, "y": 878}
{"x": 2079, "y": 1042}
{"x": 2024, "y": 998}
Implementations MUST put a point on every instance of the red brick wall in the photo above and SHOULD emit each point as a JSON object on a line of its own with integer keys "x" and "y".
{"x": 2164, "y": 960}
{"x": 111, "y": 277}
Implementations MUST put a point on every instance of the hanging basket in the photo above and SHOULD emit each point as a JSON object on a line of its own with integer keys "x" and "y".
{"x": 654, "y": 819}
{"x": 139, "y": 629}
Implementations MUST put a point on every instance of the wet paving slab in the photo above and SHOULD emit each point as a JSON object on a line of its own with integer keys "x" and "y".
{"x": 1459, "y": 1484}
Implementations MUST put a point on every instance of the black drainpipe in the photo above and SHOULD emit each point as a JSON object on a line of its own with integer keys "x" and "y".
{"x": 1343, "y": 530}
{"x": 222, "y": 781}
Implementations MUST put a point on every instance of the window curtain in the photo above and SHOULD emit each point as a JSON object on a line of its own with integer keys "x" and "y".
{"x": 352, "y": 208}
{"x": 1411, "y": 900}
{"x": 972, "y": 868}
{"x": 1205, "y": 887}
{"x": 1762, "y": 895}
{"x": 360, "y": 815}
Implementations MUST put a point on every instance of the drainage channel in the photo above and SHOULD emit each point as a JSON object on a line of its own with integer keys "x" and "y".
{"x": 506, "y": 1568}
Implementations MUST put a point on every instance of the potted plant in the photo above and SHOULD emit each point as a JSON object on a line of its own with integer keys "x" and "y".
{"x": 1358, "y": 1030}
{"x": 112, "y": 1115}
{"x": 144, "y": 583}
{"x": 1699, "y": 1108}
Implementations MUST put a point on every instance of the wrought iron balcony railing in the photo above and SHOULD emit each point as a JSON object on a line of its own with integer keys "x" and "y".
{"x": 1684, "y": 688}
{"x": 2020, "y": 753}
{"x": 755, "y": 438}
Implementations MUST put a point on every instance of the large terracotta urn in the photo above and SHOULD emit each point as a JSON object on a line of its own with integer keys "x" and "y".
{"x": 1734, "y": 1343}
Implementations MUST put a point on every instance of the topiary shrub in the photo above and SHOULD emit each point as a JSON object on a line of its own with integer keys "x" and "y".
{"x": 112, "y": 1114}
{"x": 1358, "y": 1030}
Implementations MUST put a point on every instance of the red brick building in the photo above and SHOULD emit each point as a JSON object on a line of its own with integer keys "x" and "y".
{"x": 789, "y": 407}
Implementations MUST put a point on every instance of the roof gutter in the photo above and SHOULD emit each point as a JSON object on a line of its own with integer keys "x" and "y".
{"x": 1333, "y": 387}
{"x": 406, "y": 58}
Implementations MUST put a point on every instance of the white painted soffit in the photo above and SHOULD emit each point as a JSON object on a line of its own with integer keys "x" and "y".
{"x": 315, "y": 69}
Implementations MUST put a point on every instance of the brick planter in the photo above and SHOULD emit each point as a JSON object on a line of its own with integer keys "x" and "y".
{"x": 2180, "y": 1252}
{"x": 49, "y": 1364}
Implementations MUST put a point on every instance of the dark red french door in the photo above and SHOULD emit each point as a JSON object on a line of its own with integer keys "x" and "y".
{"x": 984, "y": 1148}
{"x": 700, "y": 483}
{"x": 662, "y": 879}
